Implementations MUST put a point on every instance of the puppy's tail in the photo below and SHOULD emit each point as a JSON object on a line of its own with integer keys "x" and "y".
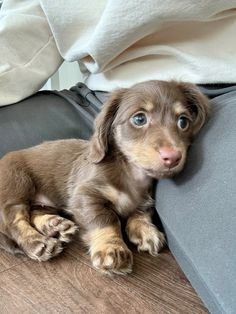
{"x": 9, "y": 245}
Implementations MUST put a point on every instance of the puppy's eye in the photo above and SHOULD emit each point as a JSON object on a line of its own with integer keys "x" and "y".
{"x": 183, "y": 123}
{"x": 139, "y": 119}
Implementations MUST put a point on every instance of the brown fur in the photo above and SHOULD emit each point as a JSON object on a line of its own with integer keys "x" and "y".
{"x": 99, "y": 180}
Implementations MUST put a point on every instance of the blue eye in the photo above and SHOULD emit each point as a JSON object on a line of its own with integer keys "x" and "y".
{"x": 139, "y": 119}
{"x": 183, "y": 123}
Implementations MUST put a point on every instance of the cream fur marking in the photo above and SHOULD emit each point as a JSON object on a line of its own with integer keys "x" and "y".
{"x": 149, "y": 106}
{"x": 179, "y": 108}
{"x": 108, "y": 251}
{"x": 145, "y": 235}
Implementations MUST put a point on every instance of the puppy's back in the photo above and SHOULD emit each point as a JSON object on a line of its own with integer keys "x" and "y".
{"x": 47, "y": 166}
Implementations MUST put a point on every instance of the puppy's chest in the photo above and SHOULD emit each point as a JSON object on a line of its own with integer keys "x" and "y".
{"x": 126, "y": 202}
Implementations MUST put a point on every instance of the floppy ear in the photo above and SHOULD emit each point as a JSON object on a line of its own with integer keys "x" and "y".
{"x": 198, "y": 104}
{"x": 103, "y": 125}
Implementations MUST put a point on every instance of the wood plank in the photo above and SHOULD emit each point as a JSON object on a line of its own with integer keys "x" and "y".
{"x": 64, "y": 285}
{"x": 8, "y": 260}
{"x": 68, "y": 284}
{"x": 156, "y": 279}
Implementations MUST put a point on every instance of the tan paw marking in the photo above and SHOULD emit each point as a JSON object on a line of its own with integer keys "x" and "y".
{"x": 113, "y": 259}
{"x": 109, "y": 253}
{"x": 147, "y": 237}
{"x": 42, "y": 248}
{"x": 56, "y": 226}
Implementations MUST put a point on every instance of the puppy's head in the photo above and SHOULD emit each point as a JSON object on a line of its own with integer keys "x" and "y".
{"x": 152, "y": 125}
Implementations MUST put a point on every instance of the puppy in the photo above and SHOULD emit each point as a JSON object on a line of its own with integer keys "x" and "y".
{"x": 141, "y": 134}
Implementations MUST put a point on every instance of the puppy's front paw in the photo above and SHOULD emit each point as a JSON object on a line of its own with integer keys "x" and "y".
{"x": 113, "y": 258}
{"x": 41, "y": 248}
{"x": 147, "y": 237}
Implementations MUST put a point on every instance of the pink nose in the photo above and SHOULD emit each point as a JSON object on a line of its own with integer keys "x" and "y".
{"x": 170, "y": 156}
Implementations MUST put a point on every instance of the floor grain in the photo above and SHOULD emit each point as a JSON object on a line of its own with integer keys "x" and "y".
{"x": 8, "y": 261}
{"x": 68, "y": 284}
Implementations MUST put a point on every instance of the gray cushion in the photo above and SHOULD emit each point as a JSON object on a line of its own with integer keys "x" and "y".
{"x": 43, "y": 116}
{"x": 198, "y": 209}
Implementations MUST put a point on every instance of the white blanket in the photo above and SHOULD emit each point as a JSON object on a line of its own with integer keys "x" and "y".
{"x": 116, "y": 42}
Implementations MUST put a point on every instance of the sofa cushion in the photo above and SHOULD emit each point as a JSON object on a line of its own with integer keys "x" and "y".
{"x": 198, "y": 209}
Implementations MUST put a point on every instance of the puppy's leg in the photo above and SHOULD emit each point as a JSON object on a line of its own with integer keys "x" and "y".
{"x": 9, "y": 245}
{"x": 101, "y": 232}
{"x": 6, "y": 243}
{"x": 143, "y": 233}
{"x": 34, "y": 244}
{"x": 47, "y": 221}
{"x": 109, "y": 253}
{"x": 16, "y": 191}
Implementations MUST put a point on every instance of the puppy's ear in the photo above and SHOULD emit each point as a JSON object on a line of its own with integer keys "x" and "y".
{"x": 103, "y": 126}
{"x": 197, "y": 103}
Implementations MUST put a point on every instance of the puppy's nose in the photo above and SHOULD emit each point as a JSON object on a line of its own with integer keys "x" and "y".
{"x": 170, "y": 156}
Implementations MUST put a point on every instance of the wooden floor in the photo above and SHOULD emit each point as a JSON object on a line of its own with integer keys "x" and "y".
{"x": 68, "y": 284}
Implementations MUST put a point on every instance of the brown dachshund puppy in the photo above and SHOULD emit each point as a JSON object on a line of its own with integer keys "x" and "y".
{"x": 142, "y": 133}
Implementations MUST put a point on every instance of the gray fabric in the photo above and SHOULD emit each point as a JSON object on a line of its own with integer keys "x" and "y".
{"x": 44, "y": 116}
{"x": 198, "y": 209}
{"x": 214, "y": 90}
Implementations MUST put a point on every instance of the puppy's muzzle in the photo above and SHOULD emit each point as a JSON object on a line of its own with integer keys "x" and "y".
{"x": 170, "y": 157}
